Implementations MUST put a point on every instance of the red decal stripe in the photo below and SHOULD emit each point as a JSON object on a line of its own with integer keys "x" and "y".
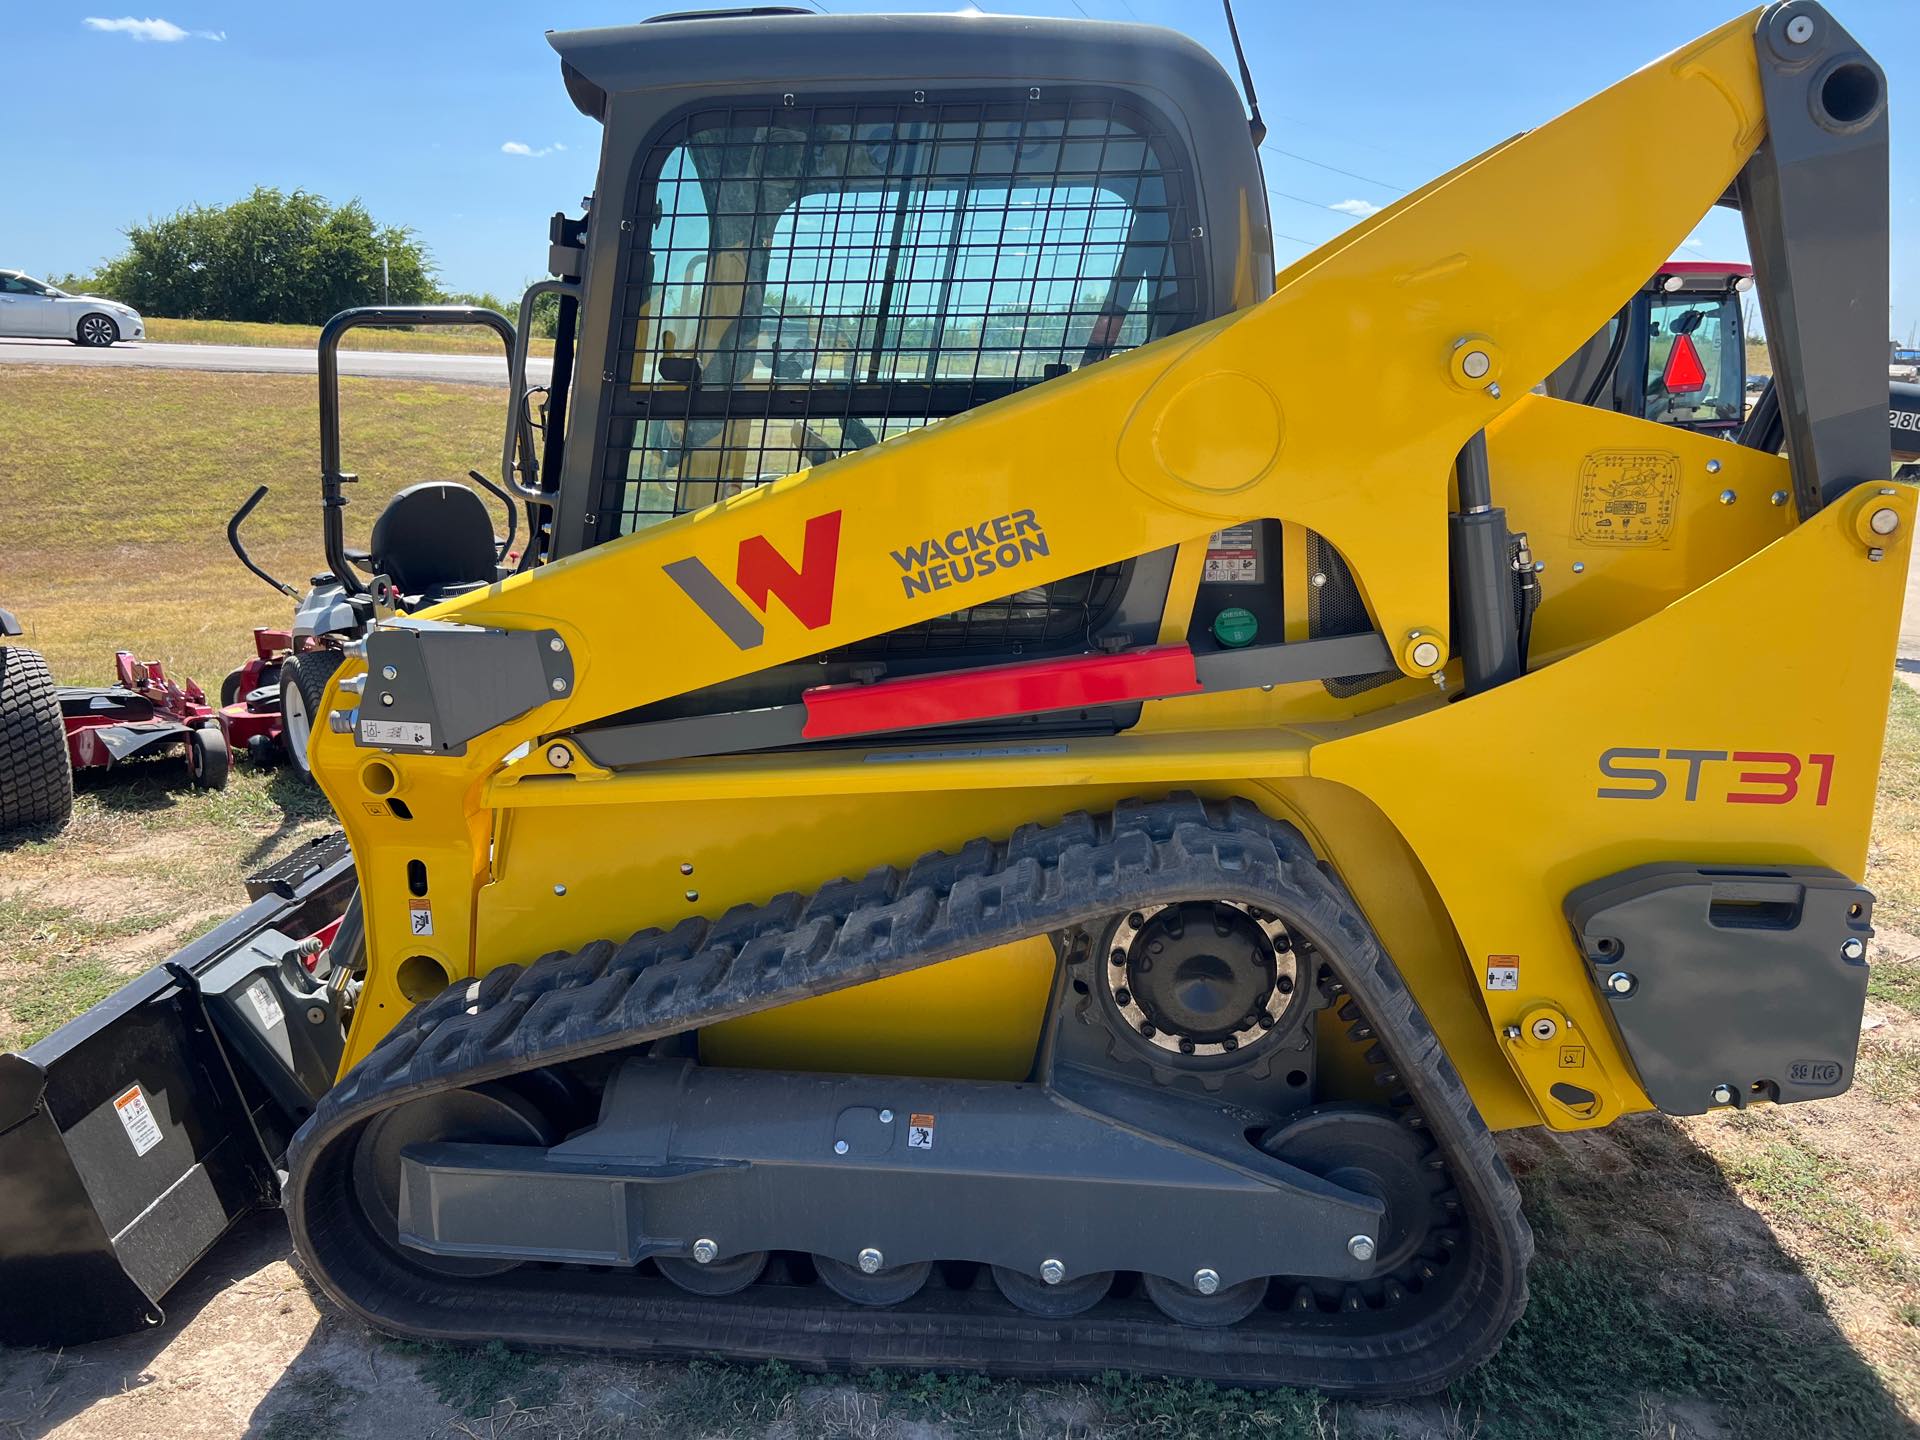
{"x": 995, "y": 691}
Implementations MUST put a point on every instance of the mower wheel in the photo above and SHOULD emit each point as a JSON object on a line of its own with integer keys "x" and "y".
{"x": 208, "y": 759}
{"x": 36, "y": 774}
{"x": 230, "y": 687}
{"x": 303, "y": 693}
{"x": 263, "y": 751}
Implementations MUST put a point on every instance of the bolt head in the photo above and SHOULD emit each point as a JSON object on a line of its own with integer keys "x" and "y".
{"x": 556, "y": 643}
{"x": 1727, "y": 497}
{"x": 870, "y": 1259}
{"x": 1799, "y": 30}
{"x": 559, "y": 889}
{"x": 1854, "y": 948}
{"x": 1779, "y": 497}
{"x": 1053, "y": 1271}
{"x": 1360, "y": 1247}
{"x": 386, "y": 697}
{"x": 1713, "y": 467}
{"x": 705, "y": 1251}
{"x": 389, "y": 672}
{"x": 840, "y": 1148}
{"x": 559, "y": 685}
{"x": 1620, "y": 983}
{"x": 1206, "y": 1281}
{"x": 1723, "y": 1095}
{"x": 1883, "y": 522}
{"x": 886, "y": 1117}
{"x": 1544, "y": 1028}
{"x": 559, "y": 756}
{"x": 1474, "y": 364}
{"x": 1426, "y": 654}
{"x": 1579, "y": 567}
{"x": 316, "y": 1016}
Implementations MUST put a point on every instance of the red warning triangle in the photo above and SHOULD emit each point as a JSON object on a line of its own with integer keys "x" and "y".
{"x": 1684, "y": 372}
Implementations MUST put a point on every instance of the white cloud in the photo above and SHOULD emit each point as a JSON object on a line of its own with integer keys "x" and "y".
{"x": 163, "y": 31}
{"x": 1359, "y": 209}
{"x": 516, "y": 147}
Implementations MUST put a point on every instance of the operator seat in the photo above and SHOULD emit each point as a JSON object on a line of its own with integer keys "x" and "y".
{"x": 435, "y": 538}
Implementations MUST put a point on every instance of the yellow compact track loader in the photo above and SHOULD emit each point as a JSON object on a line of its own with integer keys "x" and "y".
{"x": 1040, "y": 790}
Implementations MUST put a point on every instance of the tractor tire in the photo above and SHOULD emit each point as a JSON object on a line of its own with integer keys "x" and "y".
{"x": 303, "y": 690}
{"x": 36, "y": 774}
{"x": 209, "y": 761}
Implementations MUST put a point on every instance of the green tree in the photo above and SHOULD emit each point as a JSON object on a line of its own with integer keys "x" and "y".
{"x": 272, "y": 256}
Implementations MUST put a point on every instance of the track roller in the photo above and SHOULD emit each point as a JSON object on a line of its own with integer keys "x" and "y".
{"x": 882, "y": 1285}
{"x": 717, "y": 1277}
{"x": 1056, "y": 1301}
{"x": 1190, "y": 1307}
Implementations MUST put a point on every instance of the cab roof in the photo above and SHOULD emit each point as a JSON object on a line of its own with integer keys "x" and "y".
{"x": 772, "y": 49}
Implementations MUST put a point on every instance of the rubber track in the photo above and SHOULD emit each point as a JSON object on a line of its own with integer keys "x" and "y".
{"x": 605, "y": 997}
{"x": 36, "y": 778}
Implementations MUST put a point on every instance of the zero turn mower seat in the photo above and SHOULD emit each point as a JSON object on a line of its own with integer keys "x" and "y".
{"x": 434, "y": 536}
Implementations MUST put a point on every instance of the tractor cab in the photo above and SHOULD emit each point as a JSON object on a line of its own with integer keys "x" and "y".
{"x": 1676, "y": 352}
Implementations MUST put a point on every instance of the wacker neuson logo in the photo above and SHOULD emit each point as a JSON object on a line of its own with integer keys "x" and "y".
{"x": 942, "y": 561}
{"x": 760, "y": 571}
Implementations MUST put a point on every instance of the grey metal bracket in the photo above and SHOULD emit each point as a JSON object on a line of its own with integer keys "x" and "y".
{"x": 432, "y": 685}
{"x": 1814, "y": 199}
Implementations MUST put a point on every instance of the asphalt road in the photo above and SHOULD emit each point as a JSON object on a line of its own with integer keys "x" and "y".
{"x": 382, "y": 364}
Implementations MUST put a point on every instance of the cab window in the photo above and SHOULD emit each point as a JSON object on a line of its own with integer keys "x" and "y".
{"x": 1696, "y": 360}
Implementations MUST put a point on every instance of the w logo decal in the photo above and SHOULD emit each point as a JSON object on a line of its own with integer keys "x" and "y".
{"x": 762, "y": 572}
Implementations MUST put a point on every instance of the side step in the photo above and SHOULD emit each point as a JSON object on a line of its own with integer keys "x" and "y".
{"x": 129, "y": 1143}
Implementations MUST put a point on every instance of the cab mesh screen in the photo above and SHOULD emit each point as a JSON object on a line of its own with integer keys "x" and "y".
{"x": 803, "y": 282}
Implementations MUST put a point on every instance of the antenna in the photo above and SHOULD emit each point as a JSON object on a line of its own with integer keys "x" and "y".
{"x": 1254, "y": 122}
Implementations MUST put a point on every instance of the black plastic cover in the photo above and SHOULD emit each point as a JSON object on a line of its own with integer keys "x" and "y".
{"x": 1754, "y": 980}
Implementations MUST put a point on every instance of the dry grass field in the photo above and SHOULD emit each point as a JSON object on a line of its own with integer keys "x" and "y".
{"x": 1750, "y": 1274}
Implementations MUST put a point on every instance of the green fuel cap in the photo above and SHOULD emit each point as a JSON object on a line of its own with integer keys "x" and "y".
{"x": 1234, "y": 627}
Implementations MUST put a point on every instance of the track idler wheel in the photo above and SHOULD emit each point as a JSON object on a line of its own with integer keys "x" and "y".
{"x": 1056, "y": 1301}
{"x": 1370, "y": 1150}
{"x": 880, "y": 1285}
{"x": 491, "y": 1114}
{"x": 1189, "y": 1306}
{"x": 717, "y": 1277}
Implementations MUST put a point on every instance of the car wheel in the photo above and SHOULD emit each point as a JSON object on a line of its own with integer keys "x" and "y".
{"x": 303, "y": 690}
{"x": 97, "y": 330}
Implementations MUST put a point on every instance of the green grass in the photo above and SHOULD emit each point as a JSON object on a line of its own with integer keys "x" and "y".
{"x": 451, "y": 340}
{"x": 1785, "y": 1175}
{"x": 125, "y": 479}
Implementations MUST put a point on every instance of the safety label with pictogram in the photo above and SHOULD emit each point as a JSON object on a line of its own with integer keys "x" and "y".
{"x": 1503, "y": 972}
{"x": 920, "y": 1132}
{"x": 421, "y": 913}
{"x": 136, "y": 1117}
{"x": 1232, "y": 558}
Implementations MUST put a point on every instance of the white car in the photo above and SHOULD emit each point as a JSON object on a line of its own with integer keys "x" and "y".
{"x": 30, "y": 307}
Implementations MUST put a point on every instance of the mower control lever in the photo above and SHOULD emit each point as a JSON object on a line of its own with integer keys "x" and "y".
{"x": 233, "y": 539}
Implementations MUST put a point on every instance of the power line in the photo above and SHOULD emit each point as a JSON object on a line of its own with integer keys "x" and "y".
{"x": 1350, "y": 174}
{"x": 1310, "y": 244}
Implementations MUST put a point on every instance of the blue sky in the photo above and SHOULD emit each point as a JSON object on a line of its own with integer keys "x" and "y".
{"x": 114, "y": 116}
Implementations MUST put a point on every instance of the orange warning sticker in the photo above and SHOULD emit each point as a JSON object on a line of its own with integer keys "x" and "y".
{"x": 920, "y": 1132}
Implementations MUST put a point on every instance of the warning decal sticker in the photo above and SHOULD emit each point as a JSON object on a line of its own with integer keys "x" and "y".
{"x": 920, "y": 1132}
{"x": 1503, "y": 972}
{"x": 1231, "y": 558}
{"x": 396, "y": 732}
{"x": 1626, "y": 497}
{"x": 421, "y": 912}
{"x": 137, "y": 1118}
{"x": 266, "y": 1004}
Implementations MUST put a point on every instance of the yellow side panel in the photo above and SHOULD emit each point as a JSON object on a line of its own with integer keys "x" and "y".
{"x": 975, "y": 1018}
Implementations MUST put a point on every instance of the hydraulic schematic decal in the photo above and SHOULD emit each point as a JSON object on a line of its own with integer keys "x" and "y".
{"x": 1626, "y": 497}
